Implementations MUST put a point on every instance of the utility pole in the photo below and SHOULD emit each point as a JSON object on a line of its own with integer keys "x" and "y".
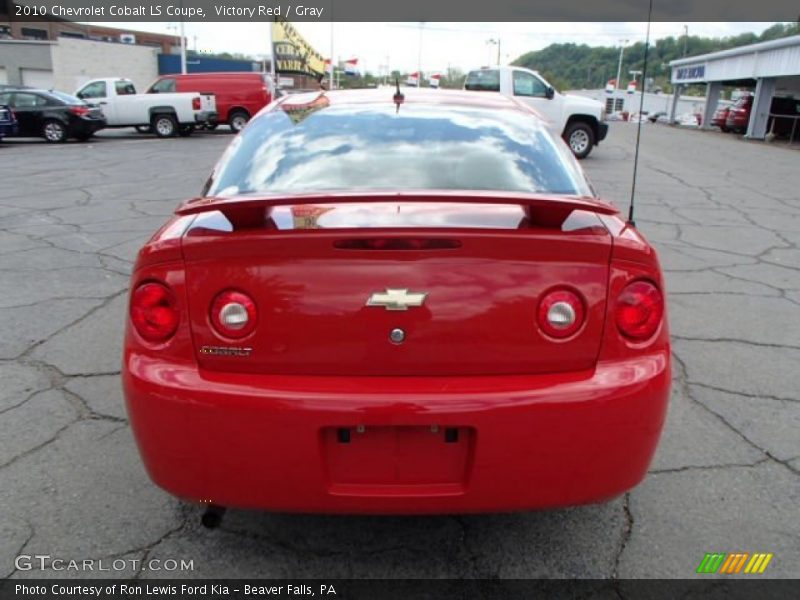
{"x": 685, "y": 39}
{"x": 619, "y": 70}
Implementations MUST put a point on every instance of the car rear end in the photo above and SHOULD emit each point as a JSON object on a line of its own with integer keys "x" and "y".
{"x": 8, "y": 121}
{"x": 739, "y": 114}
{"x": 82, "y": 120}
{"x": 445, "y": 341}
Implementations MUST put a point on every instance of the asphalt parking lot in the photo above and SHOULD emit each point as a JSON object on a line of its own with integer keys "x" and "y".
{"x": 725, "y": 217}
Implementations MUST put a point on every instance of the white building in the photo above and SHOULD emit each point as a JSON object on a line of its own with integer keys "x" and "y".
{"x": 772, "y": 68}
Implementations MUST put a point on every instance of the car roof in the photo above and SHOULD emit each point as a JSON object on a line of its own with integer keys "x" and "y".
{"x": 27, "y": 90}
{"x": 426, "y": 96}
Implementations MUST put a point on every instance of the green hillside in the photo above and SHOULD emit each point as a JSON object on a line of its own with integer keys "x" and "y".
{"x": 575, "y": 66}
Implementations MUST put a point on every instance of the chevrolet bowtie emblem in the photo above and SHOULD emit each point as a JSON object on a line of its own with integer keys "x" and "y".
{"x": 396, "y": 299}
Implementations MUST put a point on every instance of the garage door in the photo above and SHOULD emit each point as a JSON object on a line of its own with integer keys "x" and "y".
{"x": 38, "y": 78}
{"x": 3, "y": 75}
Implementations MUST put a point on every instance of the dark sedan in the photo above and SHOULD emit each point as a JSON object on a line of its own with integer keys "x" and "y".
{"x": 8, "y": 121}
{"x": 55, "y": 116}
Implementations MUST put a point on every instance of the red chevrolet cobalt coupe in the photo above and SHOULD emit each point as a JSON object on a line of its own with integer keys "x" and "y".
{"x": 396, "y": 304}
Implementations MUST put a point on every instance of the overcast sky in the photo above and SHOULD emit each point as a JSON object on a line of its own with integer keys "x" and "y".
{"x": 462, "y": 45}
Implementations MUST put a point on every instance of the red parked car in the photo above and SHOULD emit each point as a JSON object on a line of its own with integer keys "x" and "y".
{"x": 720, "y": 118}
{"x": 396, "y": 304}
{"x": 239, "y": 96}
{"x": 739, "y": 115}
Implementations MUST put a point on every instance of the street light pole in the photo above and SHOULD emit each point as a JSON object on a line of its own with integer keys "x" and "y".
{"x": 497, "y": 42}
{"x": 183, "y": 42}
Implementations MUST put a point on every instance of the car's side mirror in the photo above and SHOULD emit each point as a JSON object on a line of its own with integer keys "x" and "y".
{"x": 549, "y": 92}
{"x": 80, "y": 95}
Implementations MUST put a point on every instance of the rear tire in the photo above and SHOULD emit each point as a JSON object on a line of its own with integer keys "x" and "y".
{"x": 580, "y": 138}
{"x": 54, "y": 131}
{"x": 165, "y": 125}
{"x": 237, "y": 120}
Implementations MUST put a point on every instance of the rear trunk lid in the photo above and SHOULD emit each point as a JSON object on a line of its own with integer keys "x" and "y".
{"x": 331, "y": 282}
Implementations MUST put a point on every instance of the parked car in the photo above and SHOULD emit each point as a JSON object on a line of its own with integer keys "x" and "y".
{"x": 238, "y": 95}
{"x": 720, "y": 117}
{"x": 8, "y": 121}
{"x": 166, "y": 114}
{"x": 53, "y": 115}
{"x": 577, "y": 119}
{"x": 780, "y": 122}
{"x": 388, "y": 302}
{"x": 739, "y": 115}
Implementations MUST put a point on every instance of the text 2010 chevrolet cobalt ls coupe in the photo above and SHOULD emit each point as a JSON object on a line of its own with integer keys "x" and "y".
{"x": 388, "y": 304}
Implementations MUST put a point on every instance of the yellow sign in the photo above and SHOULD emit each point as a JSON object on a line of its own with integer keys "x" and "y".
{"x": 293, "y": 54}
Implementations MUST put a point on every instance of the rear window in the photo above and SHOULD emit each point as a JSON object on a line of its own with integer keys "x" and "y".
{"x": 370, "y": 147}
{"x": 484, "y": 80}
{"x": 67, "y": 98}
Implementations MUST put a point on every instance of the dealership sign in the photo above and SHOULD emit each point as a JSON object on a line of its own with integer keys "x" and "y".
{"x": 688, "y": 74}
{"x": 293, "y": 54}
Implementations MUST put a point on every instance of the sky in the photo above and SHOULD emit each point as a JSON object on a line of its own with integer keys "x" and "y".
{"x": 382, "y": 47}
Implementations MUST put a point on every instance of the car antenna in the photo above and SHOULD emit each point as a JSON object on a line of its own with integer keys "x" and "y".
{"x": 641, "y": 107}
{"x": 398, "y": 95}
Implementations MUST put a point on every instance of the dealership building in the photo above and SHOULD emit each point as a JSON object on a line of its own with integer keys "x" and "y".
{"x": 770, "y": 69}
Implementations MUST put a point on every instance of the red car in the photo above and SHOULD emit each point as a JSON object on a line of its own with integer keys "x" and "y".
{"x": 396, "y": 304}
{"x": 238, "y": 95}
{"x": 720, "y": 118}
{"x": 739, "y": 115}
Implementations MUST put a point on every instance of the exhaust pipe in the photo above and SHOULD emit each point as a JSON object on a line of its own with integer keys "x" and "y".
{"x": 212, "y": 517}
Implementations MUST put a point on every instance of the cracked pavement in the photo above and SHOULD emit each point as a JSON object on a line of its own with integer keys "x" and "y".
{"x": 724, "y": 215}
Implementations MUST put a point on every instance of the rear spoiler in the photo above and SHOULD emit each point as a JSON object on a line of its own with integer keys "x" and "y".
{"x": 240, "y": 205}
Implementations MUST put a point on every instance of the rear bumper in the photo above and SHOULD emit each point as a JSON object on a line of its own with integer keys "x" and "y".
{"x": 7, "y": 129}
{"x": 206, "y": 117}
{"x": 81, "y": 126}
{"x": 258, "y": 441}
{"x": 602, "y": 130}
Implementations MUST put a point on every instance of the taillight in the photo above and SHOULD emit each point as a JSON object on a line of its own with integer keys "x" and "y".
{"x": 639, "y": 310}
{"x": 196, "y": 104}
{"x": 561, "y": 314}
{"x": 233, "y": 314}
{"x": 79, "y": 110}
{"x": 154, "y": 311}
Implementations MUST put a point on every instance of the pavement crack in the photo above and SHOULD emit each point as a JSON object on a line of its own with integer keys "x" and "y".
{"x": 627, "y": 532}
{"x": 31, "y": 534}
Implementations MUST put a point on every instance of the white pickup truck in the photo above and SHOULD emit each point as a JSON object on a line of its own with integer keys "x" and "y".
{"x": 580, "y": 121}
{"x": 165, "y": 114}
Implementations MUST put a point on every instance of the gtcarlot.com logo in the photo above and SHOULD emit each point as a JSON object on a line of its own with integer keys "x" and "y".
{"x": 735, "y": 563}
{"x": 44, "y": 562}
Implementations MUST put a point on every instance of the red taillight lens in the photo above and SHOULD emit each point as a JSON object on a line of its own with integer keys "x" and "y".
{"x": 154, "y": 312}
{"x": 196, "y": 104}
{"x": 79, "y": 110}
{"x": 561, "y": 314}
{"x": 639, "y": 310}
{"x": 233, "y": 314}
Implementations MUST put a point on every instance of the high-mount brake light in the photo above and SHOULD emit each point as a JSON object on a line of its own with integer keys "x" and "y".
{"x": 233, "y": 314}
{"x": 639, "y": 310}
{"x": 154, "y": 311}
{"x": 561, "y": 314}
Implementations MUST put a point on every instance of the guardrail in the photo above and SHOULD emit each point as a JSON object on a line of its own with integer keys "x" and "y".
{"x": 795, "y": 135}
